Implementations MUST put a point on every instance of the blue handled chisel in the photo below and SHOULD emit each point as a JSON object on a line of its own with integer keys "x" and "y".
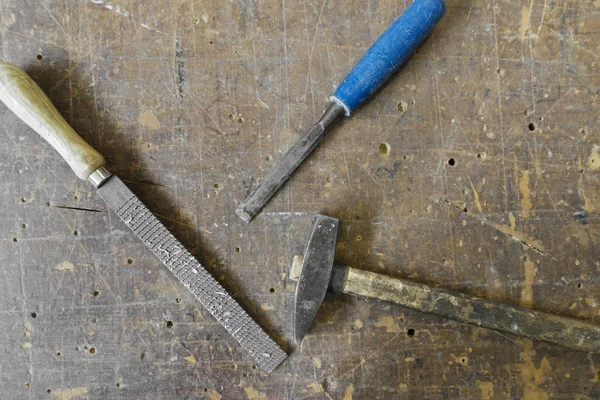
{"x": 375, "y": 67}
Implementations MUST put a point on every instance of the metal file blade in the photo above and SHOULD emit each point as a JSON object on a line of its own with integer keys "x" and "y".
{"x": 24, "y": 97}
{"x": 191, "y": 274}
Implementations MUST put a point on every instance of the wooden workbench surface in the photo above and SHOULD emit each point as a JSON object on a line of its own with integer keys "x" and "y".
{"x": 490, "y": 186}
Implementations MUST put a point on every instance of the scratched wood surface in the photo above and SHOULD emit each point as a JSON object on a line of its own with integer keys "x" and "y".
{"x": 475, "y": 168}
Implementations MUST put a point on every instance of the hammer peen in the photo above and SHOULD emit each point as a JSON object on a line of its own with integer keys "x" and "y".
{"x": 316, "y": 273}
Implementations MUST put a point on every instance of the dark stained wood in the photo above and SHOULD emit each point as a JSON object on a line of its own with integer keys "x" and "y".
{"x": 490, "y": 186}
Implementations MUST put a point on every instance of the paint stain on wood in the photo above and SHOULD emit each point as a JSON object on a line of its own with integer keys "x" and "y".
{"x": 28, "y": 328}
{"x": 316, "y": 362}
{"x": 148, "y": 119}
{"x": 65, "y": 266}
{"x": 512, "y": 221}
{"x": 524, "y": 189}
{"x": 387, "y": 322}
{"x": 191, "y": 359}
{"x": 525, "y": 20}
{"x": 532, "y": 376}
{"x": 349, "y": 392}
{"x": 526, "y": 288}
{"x": 68, "y": 394}
{"x": 487, "y": 390}
{"x": 212, "y": 395}
{"x": 254, "y": 394}
{"x": 316, "y": 387}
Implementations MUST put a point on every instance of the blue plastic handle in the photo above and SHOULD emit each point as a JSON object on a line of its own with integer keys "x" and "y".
{"x": 389, "y": 52}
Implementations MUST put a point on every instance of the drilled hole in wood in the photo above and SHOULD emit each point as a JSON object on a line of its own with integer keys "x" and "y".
{"x": 240, "y": 120}
{"x": 33, "y": 315}
{"x": 142, "y": 356}
{"x": 401, "y": 106}
{"x": 272, "y": 290}
{"x": 237, "y": 249}
{"x": 15, "y": 240}
{"x": 384, "y": 148}
{"x": 49, "y": 391}
{"x": 95, "y": 293}
{"x": 75, "y": 233}
{"x": 92, "y": 350}
{"x": 358, "y": 238}
{"x": 129, "y": 261}
{"x": 169, "y": 324}
{"x": 531, "y": 126}
{"x": 410, "y": 332}
{"x": 118, "y": 385}
{"x": 178, "y": 300}
{"x": 216, "y": 185}
{"x": 23, "y": 226}
{"x": 23, "y": 200}
{"x": 58, "y": 354}
{"x": 579, "y": 285}
{"x": 452, "y": 162}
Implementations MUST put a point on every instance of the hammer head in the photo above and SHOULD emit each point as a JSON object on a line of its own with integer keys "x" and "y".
{"x": 315, "y": 272}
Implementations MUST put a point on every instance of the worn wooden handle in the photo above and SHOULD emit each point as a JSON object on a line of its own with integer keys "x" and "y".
{"x": 485, "y": 313}
{"x": 25, "y": 98}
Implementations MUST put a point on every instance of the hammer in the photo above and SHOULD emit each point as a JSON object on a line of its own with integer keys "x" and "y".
{"x": 317, "y": 273}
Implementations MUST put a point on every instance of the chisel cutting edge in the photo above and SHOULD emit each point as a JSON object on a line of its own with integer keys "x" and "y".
{"x": 375, "y": 67}
{"x": 23, "y": 96}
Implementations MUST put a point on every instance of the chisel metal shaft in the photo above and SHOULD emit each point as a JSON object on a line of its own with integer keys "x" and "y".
{"x": 376, "y": 66}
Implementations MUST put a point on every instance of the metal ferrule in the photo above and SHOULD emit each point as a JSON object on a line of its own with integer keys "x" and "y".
{"x": 335, "y": 100}
{"x": 333, "y": 111}
{"x": 339, "y": 276}
{"x": 99, "y": 176}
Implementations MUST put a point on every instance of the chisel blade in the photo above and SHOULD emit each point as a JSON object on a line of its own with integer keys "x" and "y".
{"x": 191, "y": 274}
{"x": 276, "y": 177}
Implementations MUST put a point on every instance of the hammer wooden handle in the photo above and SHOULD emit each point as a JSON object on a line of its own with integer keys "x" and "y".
{"x": 25, "y": 98}
{"x": 472, "y": 310}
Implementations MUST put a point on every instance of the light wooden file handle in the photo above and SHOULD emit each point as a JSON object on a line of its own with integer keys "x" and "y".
{"x": 25, "y": 98}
